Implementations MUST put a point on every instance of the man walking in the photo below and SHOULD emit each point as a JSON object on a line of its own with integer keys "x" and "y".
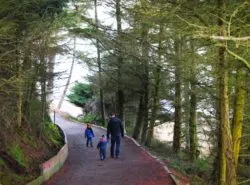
{"x": 115, "y": 128}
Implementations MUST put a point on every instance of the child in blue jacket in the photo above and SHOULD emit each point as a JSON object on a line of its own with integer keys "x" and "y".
{"x": 89, "y": 134}
{"x": 102, "y": 145}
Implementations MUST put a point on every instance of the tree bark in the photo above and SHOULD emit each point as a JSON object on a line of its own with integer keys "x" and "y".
{"x": 120, "y": 93}
{"x": 178, "y": 102}
{"x": 102, "y": 106}
{"x": 139, "y": 119}
{"x": 19, "y": 87}
{"x": 223, "y": 106}
{"x": 192, "y": 121}
{"x": 155, "y": 106}
{"x": 20, "y": 97}
{"x": 157, "y": 79}
{"x": 69, "y": 78}
{"x": 227, "y": 164}
{"x": 193, "y": 105}
{"x": 145, "y": 60}
{"x": 43, "y": 77}
{"x": 51, "y": 66}
{"x": 238, "y": 113}
{"x": 186, "y": 107}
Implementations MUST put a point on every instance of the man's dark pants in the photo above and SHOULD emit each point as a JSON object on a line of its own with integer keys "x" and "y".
{"x": 115, "y": 146}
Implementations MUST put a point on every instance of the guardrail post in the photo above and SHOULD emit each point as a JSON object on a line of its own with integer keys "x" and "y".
{"x": 54, "y": 117}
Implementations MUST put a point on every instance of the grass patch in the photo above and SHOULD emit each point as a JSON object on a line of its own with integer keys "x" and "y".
{"x": 87, "y": 118}
{"x": 53, "y": 134}
{"x": 16, "y": 152}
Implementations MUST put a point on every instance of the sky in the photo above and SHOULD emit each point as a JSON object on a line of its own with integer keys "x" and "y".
{"x": 80, "y": 70}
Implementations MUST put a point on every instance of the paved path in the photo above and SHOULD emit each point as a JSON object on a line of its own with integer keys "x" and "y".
{"x": 83, "y": 167}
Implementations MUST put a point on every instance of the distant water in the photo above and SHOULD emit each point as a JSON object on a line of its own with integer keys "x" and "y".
{"x": 165, "y": 132}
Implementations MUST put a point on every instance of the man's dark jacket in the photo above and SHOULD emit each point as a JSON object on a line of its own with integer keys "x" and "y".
{"x": 115, "y": 128}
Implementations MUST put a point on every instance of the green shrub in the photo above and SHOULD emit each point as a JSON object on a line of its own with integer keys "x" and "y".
{"x": 177, "y": 164}
{"x": 53, "y": 134}
{"x": 80, "y": 94}
{"x": 161, "y": 147}
{"x": 202, "y": 166}
{"x": 91, "y": 118}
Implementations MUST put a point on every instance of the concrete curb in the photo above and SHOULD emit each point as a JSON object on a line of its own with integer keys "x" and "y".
{"x": 50, "y": 167}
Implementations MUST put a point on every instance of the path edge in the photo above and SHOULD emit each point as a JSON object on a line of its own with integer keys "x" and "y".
{"x": 53, "y": 165}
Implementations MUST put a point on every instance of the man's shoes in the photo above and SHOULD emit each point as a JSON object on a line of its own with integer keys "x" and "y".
{"x": 112, "y": 156}
{"x": 117, "y": 157}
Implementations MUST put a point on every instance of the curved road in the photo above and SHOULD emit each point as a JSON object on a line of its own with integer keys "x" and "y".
{"x": 83, "y": 167}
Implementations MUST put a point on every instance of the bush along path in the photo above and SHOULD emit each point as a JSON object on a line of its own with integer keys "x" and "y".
{"x": 83, "y": 166}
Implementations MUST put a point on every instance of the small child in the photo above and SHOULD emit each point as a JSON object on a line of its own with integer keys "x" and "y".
{"x": 102, "y": 145}
{"x": 89, "y": 134}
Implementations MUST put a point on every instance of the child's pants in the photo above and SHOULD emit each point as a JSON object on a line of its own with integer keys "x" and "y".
{"x": 102, "y": 153}
{"x": 89, "y": 141}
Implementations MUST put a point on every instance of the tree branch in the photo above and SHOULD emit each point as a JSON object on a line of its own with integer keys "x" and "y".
{"x": 239, "y": 58}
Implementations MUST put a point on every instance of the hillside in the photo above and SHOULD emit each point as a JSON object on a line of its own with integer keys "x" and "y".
{"x": 22, "y": 152}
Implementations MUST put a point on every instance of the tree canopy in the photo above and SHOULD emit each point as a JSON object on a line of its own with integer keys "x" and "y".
{"x": 80, "y": 94}
{"x": 179, "y": 62}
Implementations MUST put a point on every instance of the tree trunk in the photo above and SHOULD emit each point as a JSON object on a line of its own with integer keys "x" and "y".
{"x": 238, "y": 113}
{"x": 193, "y": 104}
{"x": 43, "y": 77}
{"x": 155, "y": 106}
{"x": 186, "y": 108}
{"x": 51, "y": 66}
{"x": 19, "y": 88}
{"x": 157, "y": 77}
{"x": 223, "y": 116}
{"x": 145, "y": 60}
{"x": 228, "y": 173}
{"x": 178, "y": 102}
{"x": 227, "y": 165}
{"x": 145, "y": 113}
{"x": 29, "y": 81}
{"x": 69, "y": 78}
{"x": 192, "y": 120}
{"x": 217, "y": 148}
{"x": 20, "y": 97}
{"x": 139, "y": 119}
{"x": 120, "y": 93}
{"x": 102, "y": 106}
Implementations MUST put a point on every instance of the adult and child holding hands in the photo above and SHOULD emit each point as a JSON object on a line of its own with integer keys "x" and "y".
{"x": 115, "y": 129}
